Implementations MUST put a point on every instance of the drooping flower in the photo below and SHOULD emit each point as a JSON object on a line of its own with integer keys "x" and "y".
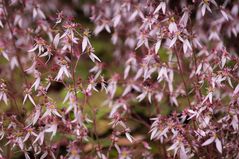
{"x": 64, "y": 70}
{"x": 217, "y": 142}
{"x": 28, "y": 96}
{"x": 51, "y": 110}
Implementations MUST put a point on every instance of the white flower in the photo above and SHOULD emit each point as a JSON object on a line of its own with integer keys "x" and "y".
{"x": 50, "y": 110}
{"x": 133, "y": 15}
{"x": 39, "y": 45}
{"x": 5, "y": 54}
{"x": 47, "y": 53}
{"x": 217, "y": 142}
{"x": 38, "y": 12}
{"x": 142, "y": 39}
{"x": 208, "y": 97}
{"x": 36, "y": 84}
{"x": 139, "y": 73}
{"x": 236, "y": 90}
{"x": 205, "y": 5}
{"x": 52, "y": 128}
{"x": 101, "y": 155}
{"x": 162, "y": 74}
{"x": 173, "y": 100}
{"x": 63, "y": 71}
{"x": 225, "y": 14}
{"x": 85, "y": 42}
{"x": 97, "y": 69}
{"x": 126, "y": 71}
{"x": 179, "y": 146}
{"x": 93, "y": 57}
{"x": 56, "y": 40}
{"x": 161, "y": 6}
{"x": 26, "y": 155}
{"x": 208, "y": 141}
{"x": 116, "y": 20}
{"x": 235, "y": 122}
{"x": 172, "y": 41}
{"x": 111, "y": 88}
{"x": 70, "y": 33}
{"x": 99, "y": 28}
{"x": 72, "y": 102}
{"x": 129, "y": 137}
{"x": 116, "y": 106}
{"x": 129, "y": 88}
{"x": 91, "y": 85}
{"x": 143, "y": 95}
{"x": 29, "y": 133}
{"x": 44, "y": 155}
{"x": 157, "y": 46}
{"x": 36, "y": 114}
{"x": 214, "y": 36}
{"x": 186, "y": 45}
{"x": 13, "y": 62}
{"x": 28, "y": 95}
{"x": 184, "y": 19}
{"x": 40, "y": 137}
{"x": 158, "y": 132}
{"x": 1, "y": 24}
{"x": 172, "y": 27}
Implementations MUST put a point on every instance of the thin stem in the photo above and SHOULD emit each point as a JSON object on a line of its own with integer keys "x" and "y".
{"x": 196, "y": 65}
{"x": 94, "y": 125}
{"x": 108, "y": 152}
{"x": 181, "y": 74}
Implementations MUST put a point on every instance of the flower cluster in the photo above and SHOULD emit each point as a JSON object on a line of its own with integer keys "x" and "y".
{"x": 168, "y": 89}
{"x": 180, "y": 61}
{"x": 41, "y": 51}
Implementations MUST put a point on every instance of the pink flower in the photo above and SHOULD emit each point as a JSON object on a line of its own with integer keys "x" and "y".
{"x": 29, "y": 133}
{"x": 37, "y": 12}
{"x": 208, "y": 97}
{"x": 178, "y": 145}
{"x": 50, "y": 110}
{"x": 129, "y": 137}
{"x": 217, "y": 142}
{"x": 51, "y": 128}
{"x": 85, "y": 43}
{"x": 36, "y": 114}
{"x": 39, "y": 45}
{"x": 161, "y": 6}
{"x": 36, "y": 84}
{"x": 172, "y": 27}
{"x": 205, "y": 5}
{"x": 64, "y": 70}
{"x": 40, "y": 137}
{"x": 28, "y": 96}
